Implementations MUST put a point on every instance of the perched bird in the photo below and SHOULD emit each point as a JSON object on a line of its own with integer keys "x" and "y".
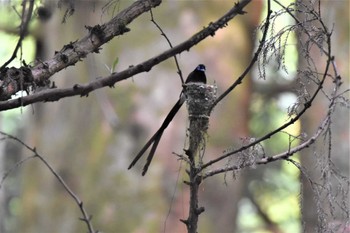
{"x": 196, "y": 76}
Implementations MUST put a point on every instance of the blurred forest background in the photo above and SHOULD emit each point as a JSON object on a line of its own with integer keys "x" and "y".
{"x": 91, "y": 141}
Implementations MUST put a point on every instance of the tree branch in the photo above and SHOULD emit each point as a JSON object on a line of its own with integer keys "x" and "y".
{"x": 170, "y": 44}
{"x": 281, "y": 156}
{"x": 26, "y": 16}
{"x": 252, "y": 62}
{"x": 306, "y": 106}
{"x": 91, "y": 43}
{"x": 84, "y": 89}
{"x": 74, "y": 51}
{"x": 199, "y": 98}
{"x": 86, "y": 218}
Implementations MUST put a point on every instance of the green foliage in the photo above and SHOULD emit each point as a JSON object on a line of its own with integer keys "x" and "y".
{"x": 276, "y": 189}
{"x": 248, "y": 221}
{"x": 115, "y": 62}
{"x": 276, "y": 194}
{"x": 27, "y": 52}
{"x": 267, "y": 116}
{"x": 9, "y": 20}
{"x": 114, "y": 65}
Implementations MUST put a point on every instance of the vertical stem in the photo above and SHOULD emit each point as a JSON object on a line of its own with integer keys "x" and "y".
{"x": 199, "y": 98}
{"x": 194, "y": 211}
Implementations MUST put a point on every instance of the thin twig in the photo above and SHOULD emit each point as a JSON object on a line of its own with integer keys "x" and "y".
{"x": 171, "y": 46}
{"x": 86, "y": 218}
{"x": 306, "y": 106}
{"x": 252, "y": 62}
{"x": 13, "y": 168}
{"x": 268, "y": 159}
{"x": 25, "y": 19}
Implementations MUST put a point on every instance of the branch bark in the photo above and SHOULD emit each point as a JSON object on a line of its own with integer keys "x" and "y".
{"x": 71, "y": 53}
{"x": 95, "y": 38}
{"x": 42, "y": 72}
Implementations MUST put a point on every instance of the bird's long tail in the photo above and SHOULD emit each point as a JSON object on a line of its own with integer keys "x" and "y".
{"x": 157, "y": 136}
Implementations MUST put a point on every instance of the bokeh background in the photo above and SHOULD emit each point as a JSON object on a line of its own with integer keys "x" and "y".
{"x": 90, "y": 141}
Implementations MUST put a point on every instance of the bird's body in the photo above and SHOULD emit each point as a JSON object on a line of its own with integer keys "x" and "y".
{"x": 196, "y": 76}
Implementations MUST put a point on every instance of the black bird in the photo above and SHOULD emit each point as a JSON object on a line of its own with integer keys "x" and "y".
{"x": 198, "y": 76}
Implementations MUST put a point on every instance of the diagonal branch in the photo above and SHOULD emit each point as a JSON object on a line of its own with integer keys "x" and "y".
{"x": 86, "y": 218}
{"x": 170, "y": 44}
{"x": 72, "y": 52}
{"x": 85, "y": 89}
{"x": 252, "y": 62}
{"x": 306, "y": 106}
{"x": 91, "y": 43}
{"x": 26, "y": 16}
{"x": 281, "y": 156}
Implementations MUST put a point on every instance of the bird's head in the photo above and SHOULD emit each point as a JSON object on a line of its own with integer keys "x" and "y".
{"x": 201, "y": 67}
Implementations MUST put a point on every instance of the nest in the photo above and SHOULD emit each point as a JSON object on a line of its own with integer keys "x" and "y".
{"x": 199, "y": 101}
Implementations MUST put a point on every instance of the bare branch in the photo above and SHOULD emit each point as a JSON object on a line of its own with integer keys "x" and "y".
{"x": 253, "y": 61}
{"x": 26, "y": 16}
{"x": 91, "y": 43}
{"x": 305, "y": 107}
{"x": 86, "y": 218}
{"x": 13, "y": 168}
{"x": 281, "y": 156}
{"x": 171, "y": 46}
{"x": 85, "y": 89}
